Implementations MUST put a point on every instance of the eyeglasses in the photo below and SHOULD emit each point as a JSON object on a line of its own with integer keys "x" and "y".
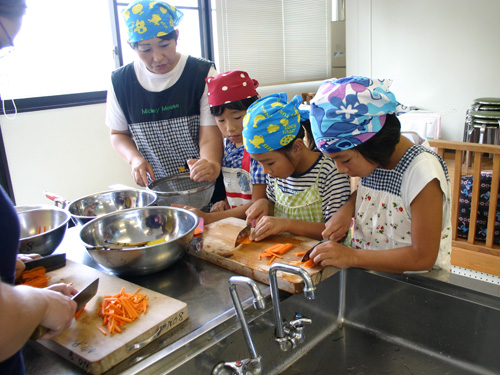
{"x": 5, "y": 50}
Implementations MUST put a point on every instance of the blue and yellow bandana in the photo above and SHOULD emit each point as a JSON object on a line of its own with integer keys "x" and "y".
{"x": 349, "y": 111}
{"x": 271, "y": 123}
{"x": 148, "y": 19}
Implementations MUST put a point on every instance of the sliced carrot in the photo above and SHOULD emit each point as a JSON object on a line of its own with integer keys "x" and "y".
{"x": 301, "y": 253}
{"x": 309, "y": 264}
{"x": 271, "y": 260}
{"x": 35, "y": 277}
{"x": 244, "y": 241}
{"x": 122, "y": 308}
{"x": 102, "y": 330}
{"x": 197, "y": 231}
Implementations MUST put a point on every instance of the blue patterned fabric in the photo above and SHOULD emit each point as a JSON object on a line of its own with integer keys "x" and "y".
{"x": 271, "y": 123}
{"x": 148, "y": 19}
{"x": 349, "y": 111}
{"x": 233, "y": 157}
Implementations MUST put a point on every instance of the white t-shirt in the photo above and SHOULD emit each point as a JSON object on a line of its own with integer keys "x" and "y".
{"x": 115, "y": 119}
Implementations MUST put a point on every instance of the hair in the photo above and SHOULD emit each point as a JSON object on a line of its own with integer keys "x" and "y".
{"x": 305, "y": 134}
{"x": 239, "y": 105}
{"x": 171, "y": 35}
{"x": 381, "y": 146}
{"x": 12, "y": 9}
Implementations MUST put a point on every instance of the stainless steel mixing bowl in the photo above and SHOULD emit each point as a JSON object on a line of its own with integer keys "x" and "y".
{"x": 91, "y": 206}
{"x": 42, "y": 229}
{"x": 180, "y": 189}
{"x": 175, "y": 225}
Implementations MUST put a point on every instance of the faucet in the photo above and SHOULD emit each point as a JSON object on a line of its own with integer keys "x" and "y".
{"x": 289, "y": 334}
{"x": 249, "y": 366}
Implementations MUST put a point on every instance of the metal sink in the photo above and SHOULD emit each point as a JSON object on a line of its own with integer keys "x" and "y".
{"x": 363, "y": 323}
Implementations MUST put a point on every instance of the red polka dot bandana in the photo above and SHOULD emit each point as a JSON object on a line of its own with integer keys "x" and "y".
{"x": 230, "y": 87}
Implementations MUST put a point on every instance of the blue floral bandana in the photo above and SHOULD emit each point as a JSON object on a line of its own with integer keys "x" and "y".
{"x": 349, "y": 111}
{"x": 271, "y": 123}
{"x": 148, "y": 19}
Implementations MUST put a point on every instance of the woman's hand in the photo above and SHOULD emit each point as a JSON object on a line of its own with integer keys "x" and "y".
{"x": 60, "y": 309}
{"x": 21, "y": 258}
{"x": 269, "y": 226}
{"x": 140, "y": 170}
{"x": 220, "y": 206}
{"x": 202, "y": 170}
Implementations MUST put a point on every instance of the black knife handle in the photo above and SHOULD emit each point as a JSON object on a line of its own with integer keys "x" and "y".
{"x": 38, "y": 332}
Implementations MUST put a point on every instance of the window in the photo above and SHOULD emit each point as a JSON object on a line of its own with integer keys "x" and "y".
{"x": 66, "y": 50}
{"x": 286, "y": 40}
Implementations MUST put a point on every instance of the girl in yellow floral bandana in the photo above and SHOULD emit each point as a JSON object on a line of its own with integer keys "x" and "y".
{"x": 304, "y": 188}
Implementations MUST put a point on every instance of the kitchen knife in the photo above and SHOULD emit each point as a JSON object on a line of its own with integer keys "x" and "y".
{"x": 81, "y": 298}
{"x": 244, "y": 233}
{"x": 50, "y": 262}
{"x": 305, "y": 258}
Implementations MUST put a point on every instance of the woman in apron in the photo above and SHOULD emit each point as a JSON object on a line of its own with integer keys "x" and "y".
{"x": 304, "y": 188}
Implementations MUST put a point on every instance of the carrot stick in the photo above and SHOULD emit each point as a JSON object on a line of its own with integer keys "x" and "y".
{"x": 103, "y": 331}
{"x": 271, "y": 260}
{"x": 300, "y": 253}
{"x": 309, "y": 264}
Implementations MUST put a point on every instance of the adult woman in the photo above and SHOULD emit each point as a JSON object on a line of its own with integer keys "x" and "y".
{"x": 22, "y": 308}
{"x": 157, "y": 106}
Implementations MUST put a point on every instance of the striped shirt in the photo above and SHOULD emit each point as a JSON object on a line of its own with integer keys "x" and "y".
{"x": 334, "y": 187}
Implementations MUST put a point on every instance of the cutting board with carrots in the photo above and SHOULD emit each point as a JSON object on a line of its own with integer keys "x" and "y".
{"x": 84, "y": 344}
{"x": 218, "y": 248}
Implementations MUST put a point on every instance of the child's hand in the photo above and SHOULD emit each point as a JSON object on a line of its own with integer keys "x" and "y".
{"x": 337, "y": 227}
{"x": 198, "y": 212}
{"x": 268, "y": 226}
{"x": 334, "y": 254}
{"x": 202, "y": 170}
{"x": 257, "y": 210}
{"x": 220, "y": 206}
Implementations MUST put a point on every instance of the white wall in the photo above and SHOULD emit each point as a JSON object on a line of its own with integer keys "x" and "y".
{"x": 441, "y": 54}
{"x": 64, "y": 151}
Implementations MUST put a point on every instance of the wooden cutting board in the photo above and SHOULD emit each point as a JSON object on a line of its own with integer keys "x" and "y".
{"x": 86, "y": 346}
{"x": 218, "y": 248}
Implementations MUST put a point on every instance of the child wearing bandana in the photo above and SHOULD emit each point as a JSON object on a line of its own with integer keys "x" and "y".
{"x": 401, "y": 207}
{"x": 229, "y": 96}
{"x": 304, "y": 188}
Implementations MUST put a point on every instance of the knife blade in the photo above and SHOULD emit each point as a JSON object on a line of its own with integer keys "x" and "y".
{"x": 245, "y": 232}
{"x": 305, "y": 258}
{"x": 50, "y": 262}
{"x": 81, "y": 298}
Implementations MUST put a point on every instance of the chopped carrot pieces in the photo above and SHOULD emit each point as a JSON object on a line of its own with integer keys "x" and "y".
{"x": 309, "y": 264}
{"x": 244, "y": 240}
{"x": 121, "y": 309}
{"x": 36, "y": 277}
{"x": 197, "y": 231}
{"x": 271, "y": 260}
{"x": 301, "y": 253}
{"x": 102, "y": 330}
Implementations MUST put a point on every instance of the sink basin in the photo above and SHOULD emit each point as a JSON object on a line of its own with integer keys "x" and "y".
{"x": 363, "y": 323}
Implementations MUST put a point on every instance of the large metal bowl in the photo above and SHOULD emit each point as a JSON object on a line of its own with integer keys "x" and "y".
{"x": 175, "y": 225}
{"x": 42, "y": 229}
{"x": 181, "y": 189}
{"x": 91, "y": 206}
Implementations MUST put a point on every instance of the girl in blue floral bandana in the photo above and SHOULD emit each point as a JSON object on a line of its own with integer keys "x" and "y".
{"x": 402, "y": 204}
{"x": 304, "y": 188}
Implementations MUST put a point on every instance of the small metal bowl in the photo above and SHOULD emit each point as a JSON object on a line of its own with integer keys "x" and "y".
{"x": 181, "y": 189}
{"x": 139, "y": 225}
{"x": 91, "y": 206}
{"x": 42, "y": 229}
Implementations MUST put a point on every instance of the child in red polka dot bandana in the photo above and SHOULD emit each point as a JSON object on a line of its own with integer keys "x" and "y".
{"x": 229, "y": 95}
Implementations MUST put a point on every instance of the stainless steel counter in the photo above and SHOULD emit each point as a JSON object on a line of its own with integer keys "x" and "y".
{"x": 201, "y": 285}
{"x": 204, "y": 287}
